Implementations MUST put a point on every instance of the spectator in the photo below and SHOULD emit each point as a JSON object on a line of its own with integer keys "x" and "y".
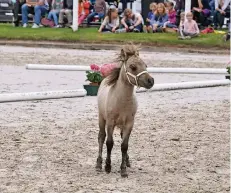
{"x": 40, "y": 7}
{"x": 99, "y": 9}
{"x": 212, "y": 6}
{"x": 181, "y": 24}
{"x": 84, "y": 6}
{"x": 56, "y": 6}
{"x": 153, "y": 8}
{"x": 66, "y": 10}
{"x": 111, "y": 21}
{"x": 222, "y": 10}
{"x": 171, "y": 23}
{"x": 160, "y": 17}
{"x": 190, "y": 28}
{"x": 201, "y": 11}
{"x": 16, "y": 10}
{"x": 133, "y": 22}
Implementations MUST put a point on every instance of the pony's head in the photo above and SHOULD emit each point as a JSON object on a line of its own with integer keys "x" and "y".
{"x": 132, "y": 68}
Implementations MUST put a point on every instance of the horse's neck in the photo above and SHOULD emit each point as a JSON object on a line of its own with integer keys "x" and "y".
{"x": 124, "y": 90}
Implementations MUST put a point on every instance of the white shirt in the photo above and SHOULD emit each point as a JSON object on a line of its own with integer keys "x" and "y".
{"x": 135, "y": 18}
{"x": 114, "y": 23}
{"x": 225, "y": 5}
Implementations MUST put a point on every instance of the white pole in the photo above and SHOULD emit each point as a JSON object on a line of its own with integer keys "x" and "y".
{"x": 75, "y": 15}
{"x": 187, "y": 85}
{"x": 57, "y": 67}
{"x": 151, "y": 69}
{"x": 187, "y": 6}
{"x": 189, "y": 70}
{"x": 16, "y": 97}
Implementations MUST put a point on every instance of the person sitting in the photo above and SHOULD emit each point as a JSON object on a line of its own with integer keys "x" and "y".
{"x": 111, "y": 22}
{"x": 153, "y": 8}
{"x": 222, "y": 10}
{"x": 171, "y": 23}
{"x": 190, "y": 28}
{"x": 55, "y": 9}
{"x": 99, "y": 9}
{"x": 17, "y": 5}
{"x": 201, "y": 11}
{"x": 40, "y": 8}
{"x": 133, "y": 22}
{"x": 66, "y": 10}
{"x": 84, "y": 6}
{"x": 159, "y": 19}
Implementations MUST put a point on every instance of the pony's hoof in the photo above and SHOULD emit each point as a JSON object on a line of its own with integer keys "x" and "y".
{"x": 98, "y": 168}
{"x": 107, "y": 169}
{"x": 128, "y": 164}
{"x": 124, "y": 174}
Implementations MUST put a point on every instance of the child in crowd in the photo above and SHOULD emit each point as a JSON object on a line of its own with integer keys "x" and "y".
{"x": 99, "y": 9}
{"x": 171, "y": 23}
{"x": 181, "y": 24}
{"x": 111, "y": 22}
{"x": 67, "y": 10}
{"x": 153, "y": 8}
{"x": 40, "y": 7}
{"x": 56, "y": 6}
{"x": 160, "y": 17}
{"x": 84, "y": 6}
{"x": 133, "y": 22}
{"x": 190, "y": 28}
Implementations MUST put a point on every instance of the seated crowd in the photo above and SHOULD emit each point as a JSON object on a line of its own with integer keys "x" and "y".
{"x": 164, "y": 16}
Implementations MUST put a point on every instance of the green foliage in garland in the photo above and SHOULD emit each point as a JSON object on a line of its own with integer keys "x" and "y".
{"x": 228, "y": 69}
{"x": 93, "y": 76}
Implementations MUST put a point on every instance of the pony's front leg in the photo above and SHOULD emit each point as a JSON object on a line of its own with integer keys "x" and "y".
{"x": 128, "y": 164}
{"x": 124, "y": 149}
{"x": 101, "y": 139}
{"x": 109, "y": 144}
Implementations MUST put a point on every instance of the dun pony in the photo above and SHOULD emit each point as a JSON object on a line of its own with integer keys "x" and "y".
{"x": 117, "y": 103}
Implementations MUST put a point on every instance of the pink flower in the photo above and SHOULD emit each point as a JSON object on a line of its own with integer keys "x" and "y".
{"x": 106, "y": 69}
{"x": 95, "y": 67}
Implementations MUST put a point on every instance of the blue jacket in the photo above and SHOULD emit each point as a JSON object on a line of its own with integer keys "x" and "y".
{"x": 159, "y": 19}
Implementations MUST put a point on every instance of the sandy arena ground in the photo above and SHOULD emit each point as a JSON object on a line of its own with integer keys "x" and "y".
{"x": 180, "y": 141}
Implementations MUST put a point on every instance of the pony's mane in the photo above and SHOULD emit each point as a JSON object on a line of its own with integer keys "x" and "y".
{"x": 126, "y": 52}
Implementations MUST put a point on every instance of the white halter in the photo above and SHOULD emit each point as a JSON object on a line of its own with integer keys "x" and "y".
{"x": 133, "y": 76}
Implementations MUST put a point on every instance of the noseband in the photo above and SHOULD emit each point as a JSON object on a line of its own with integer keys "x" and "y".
{"x": 136, "y": 77}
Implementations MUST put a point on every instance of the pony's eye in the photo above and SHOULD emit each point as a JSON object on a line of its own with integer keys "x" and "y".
{"x": 133, "y": 67}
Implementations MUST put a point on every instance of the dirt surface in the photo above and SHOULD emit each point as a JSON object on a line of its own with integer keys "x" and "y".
{"x": 113, "y": 46}
{"x": 24, "y": 55}
{"x": 179, "y": 144}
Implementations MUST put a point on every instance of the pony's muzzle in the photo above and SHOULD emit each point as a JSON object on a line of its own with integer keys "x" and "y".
{"x": 149, "y": 82}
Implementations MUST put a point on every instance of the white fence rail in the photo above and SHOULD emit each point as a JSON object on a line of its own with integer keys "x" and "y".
{"x": 186, "y": 85}
{"x": 150, "y": 69}
{"x": 16, "y": 97}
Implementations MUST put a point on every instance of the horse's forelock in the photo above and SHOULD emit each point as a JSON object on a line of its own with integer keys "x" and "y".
{"x": 126, "y": 52}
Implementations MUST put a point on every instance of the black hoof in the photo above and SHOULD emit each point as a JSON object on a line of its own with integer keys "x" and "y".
{"x": 98, "y": 168}
{"x": 107, "y": 168}
{"x": 124, "y": 174}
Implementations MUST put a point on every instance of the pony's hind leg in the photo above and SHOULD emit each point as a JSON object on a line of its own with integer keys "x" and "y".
{"x": 109, "y": 143}
{"x": 124, "y": 149}
{"x": 101, "y": 139}
{"x": 128, "y": 164}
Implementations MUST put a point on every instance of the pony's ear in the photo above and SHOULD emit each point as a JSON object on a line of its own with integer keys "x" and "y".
{"x": 124, "y": 55}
